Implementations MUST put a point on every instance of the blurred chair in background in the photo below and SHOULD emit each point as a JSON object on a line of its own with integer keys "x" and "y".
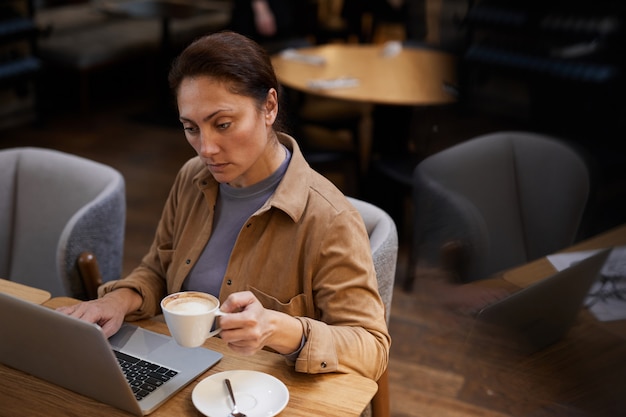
{"x": 496, "y": 201}
{"x": 329, "y": 133}
{"x": 384, "y": 243}
{"x": 60, "y": 215}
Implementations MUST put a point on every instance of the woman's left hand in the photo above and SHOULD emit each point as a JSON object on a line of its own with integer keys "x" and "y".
{"x": 250, "y": 327}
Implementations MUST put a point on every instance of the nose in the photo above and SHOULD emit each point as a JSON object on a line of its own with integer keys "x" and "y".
{"x": 208, "y": 144}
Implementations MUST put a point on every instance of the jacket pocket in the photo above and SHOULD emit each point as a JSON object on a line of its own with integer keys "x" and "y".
{"x": 296, "y": 306}
{"x": 165, "y": 258}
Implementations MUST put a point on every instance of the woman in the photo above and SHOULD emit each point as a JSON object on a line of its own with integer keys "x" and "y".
{"x": 249, "y": 221}
{"x": 266, "y": 20}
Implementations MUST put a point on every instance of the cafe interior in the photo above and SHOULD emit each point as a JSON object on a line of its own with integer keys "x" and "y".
{"x": 490, "y": 132}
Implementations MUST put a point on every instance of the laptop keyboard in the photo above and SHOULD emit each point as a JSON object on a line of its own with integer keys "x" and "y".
{"x": 144, "y": 377}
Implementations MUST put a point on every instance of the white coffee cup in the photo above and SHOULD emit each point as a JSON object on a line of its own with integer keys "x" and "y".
{"x": 190, "y": 315}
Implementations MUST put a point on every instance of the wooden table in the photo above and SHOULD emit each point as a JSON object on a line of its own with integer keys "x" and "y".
{"x": 464, "y": 372}
{"x": 542, "y": 268}
{"x": 413, "y": 77}
{"x": 34, "y": 295}
{"x": 310, "y": 395}
{"x": 586, "y": 371}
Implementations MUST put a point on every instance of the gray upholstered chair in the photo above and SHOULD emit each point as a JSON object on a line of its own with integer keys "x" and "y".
{"x": 497, "y": 201}
{"x": 60, "y": 215}
{"x": 384, "y": 243}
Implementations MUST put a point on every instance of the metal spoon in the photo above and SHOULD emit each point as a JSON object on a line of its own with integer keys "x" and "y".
{"x": 235, "y": 412}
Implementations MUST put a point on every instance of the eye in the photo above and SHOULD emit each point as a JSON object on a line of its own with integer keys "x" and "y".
{"x": 190, "y": 129}
{"x": 223, "y": 126}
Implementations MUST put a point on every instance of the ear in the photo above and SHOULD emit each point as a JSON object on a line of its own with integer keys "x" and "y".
{"x": 271, "y": 107}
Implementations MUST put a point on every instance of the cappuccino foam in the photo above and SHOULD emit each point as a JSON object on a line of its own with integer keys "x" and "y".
{"x": 190, "y": 305}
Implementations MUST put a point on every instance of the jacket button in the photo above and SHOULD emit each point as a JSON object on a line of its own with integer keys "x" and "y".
{"x": 188, "y": 261}
{"x": 229, "y": 282}
{"x": 323, "y": 364}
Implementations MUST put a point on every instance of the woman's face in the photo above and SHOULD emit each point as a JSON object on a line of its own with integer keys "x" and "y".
{"x": 232, "y": 136}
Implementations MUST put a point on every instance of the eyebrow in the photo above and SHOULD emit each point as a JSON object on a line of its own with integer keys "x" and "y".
{"x": 204, "y": 119}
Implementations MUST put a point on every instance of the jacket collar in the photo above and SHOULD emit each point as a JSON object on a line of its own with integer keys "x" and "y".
{"x": 292, "y": 192}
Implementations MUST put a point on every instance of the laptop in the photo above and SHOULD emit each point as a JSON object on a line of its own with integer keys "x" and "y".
{"x": 542, "y": 313}
{"x": 76, "y": 355}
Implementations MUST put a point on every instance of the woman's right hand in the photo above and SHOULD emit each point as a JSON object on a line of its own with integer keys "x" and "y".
{"x": 107, "y": 312}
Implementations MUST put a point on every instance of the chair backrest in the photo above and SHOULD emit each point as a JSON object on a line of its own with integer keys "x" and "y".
{"x": 384, "y": 243}
{"x": 508, "y": 197}
{"x": 54, "y": 206}
{"x": 383, "y": 236}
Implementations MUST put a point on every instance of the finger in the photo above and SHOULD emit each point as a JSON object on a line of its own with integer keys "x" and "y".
{"x": 109, "y": 328}
{"x": 238, "y": 301}
{"x": 77, "y": 310}
{"x": 88, "y": 312}
{"x": 66, "y": 309}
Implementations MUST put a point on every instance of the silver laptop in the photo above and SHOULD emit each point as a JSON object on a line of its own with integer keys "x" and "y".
{"x": 76, "y": 355}
{"x": 542, "y": 313}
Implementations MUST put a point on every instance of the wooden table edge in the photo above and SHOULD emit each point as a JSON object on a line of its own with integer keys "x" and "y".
{"x": 271, "y": 364}
{"x": 24, "y": 292}
{"x": 527, "y": 274}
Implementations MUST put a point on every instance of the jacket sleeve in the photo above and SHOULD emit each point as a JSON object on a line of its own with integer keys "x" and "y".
{"x": 350, "y": 333}
{"x": 149, "y": 278}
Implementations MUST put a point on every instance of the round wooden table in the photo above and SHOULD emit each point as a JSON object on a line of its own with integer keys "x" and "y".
{"x": 413, "y": 77}
{"x": 388, "y": 85}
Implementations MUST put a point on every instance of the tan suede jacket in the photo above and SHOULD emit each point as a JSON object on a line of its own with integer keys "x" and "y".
{"x": 305, "y": 252}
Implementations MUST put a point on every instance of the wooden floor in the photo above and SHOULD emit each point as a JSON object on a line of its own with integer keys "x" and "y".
{"x": 424, "y": 382}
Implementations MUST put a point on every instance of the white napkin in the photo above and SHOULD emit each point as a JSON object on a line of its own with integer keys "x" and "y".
{"x": 330, "y": 83}
{"x": 391, "y": 48}
{"x": 294, "y": 55}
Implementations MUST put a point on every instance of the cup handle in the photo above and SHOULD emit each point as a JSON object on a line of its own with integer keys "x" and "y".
{"x": 218, "y": 313}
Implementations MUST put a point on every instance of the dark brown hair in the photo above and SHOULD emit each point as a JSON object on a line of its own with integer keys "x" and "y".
{"x": 231, "y": 58}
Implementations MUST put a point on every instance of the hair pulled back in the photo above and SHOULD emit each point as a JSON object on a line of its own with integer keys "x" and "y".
{"x": 231, "y": 58}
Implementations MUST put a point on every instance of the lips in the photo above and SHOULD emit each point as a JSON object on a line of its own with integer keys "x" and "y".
{"x": 217, "y": 168}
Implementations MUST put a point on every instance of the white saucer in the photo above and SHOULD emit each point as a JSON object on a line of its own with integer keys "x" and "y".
{"x": 257, "y": 394}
